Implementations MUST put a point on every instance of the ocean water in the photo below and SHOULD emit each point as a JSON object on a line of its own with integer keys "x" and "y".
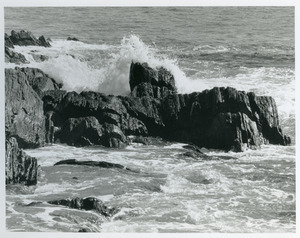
{"x": 249, "y": 48}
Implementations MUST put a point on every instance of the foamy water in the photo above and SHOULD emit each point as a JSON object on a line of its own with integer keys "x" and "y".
{"x": 203, "y": 48}
{"x": 252, "y": 192}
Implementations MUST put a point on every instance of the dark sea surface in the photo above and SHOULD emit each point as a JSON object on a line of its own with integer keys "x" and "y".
{"x": 249, "y": 48}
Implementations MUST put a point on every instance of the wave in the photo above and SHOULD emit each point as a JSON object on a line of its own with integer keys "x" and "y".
{"x": 103, "y": 68}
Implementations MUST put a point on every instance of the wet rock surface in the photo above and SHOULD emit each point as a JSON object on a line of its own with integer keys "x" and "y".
{"x": 19, "y": 167}
{"x": 89, "y": 203}
{"x": 14, "y": 57}
{"x": 146, "y": 81}
{"x": 24, "y": 114}
{"x": 101, "y": 164}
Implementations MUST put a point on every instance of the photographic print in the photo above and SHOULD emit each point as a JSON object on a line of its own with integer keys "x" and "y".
{"x": 155, "y": 119}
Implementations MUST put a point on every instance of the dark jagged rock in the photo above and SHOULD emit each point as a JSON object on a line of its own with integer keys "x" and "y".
{"x": 222, "y": 118}
{"x": 89, "y": 203}
{"x": 72, "y": 39}
{"x": 52, "y": 99}
{"x": 8, "y": 43}
{"x": 24, "y": 115}
{"x": 19, "y": 167}
{"x": 108, "y": 110}
{"x": 14, "y": 57}
{"x": 146, "y": 81}
{"x": 39, "y": 81}
{"x": 44, "y": 42}
{"x": 25, "y": 38}
{"x": 81, "y": 131}
{"x": 114, "y": 137}
{"x": 101, "y": 164}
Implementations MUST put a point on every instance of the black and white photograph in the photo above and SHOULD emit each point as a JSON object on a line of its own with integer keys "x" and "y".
{"x": 149, "y": 119}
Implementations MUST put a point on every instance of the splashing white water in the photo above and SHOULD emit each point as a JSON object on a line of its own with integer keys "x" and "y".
{"x": 105, "y": 68}
{"x": 101, "y": 68}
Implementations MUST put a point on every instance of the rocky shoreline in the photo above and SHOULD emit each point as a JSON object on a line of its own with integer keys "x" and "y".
{"x": 38, "y": 112}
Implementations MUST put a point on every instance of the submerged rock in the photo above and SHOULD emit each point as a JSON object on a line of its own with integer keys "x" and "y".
{"x": 40, "y": 58}
{"x": 19, "y": 167}
{"x": 89, "y": 203}
{"x": 101, "y": 164}
{"x": 147, "y": 140}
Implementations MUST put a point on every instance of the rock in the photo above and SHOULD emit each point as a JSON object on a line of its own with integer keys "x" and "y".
{"x": 39, "y": 81}
{"x": 40, "y": 58}
{"x": 114, "y": 137}
{"x": 44, "y": 42}
{"x": 49, "y": 127}
{"x": 110, "y": 112}
{"x": 146, "y": 81}
{"x": 143, "y": 90}
{"x": 89, "y": 203}
{"x": 193, "y": 148}
{"x": 221, "y": 118}
{"x": 157, "y": 141}
{"x": 82, "y": 131}
{"x": 72, "y": 39}
{"x": 13, "y": 57}
{"x": 25, "y": 38}
{"x": 24, "y": 115}
{"x": 8, "y": 43}
{"x": 194, "y": 155}
{"x": 52, "y": 99}
{"x": 101, "y": 164}
{"x": 265, "y": 114}
{"x": 19, "y": 167}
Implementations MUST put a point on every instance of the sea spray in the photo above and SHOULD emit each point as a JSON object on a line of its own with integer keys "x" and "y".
{"x": 103, "y": 68}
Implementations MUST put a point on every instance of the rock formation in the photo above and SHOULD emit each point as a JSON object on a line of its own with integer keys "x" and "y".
{"x": 25, "y": 38}
{"x": 13, "y": 57}
{"x": 221, "y": 118}
{"x": 24, "y": 114}
{"x": 19, "y": 167}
